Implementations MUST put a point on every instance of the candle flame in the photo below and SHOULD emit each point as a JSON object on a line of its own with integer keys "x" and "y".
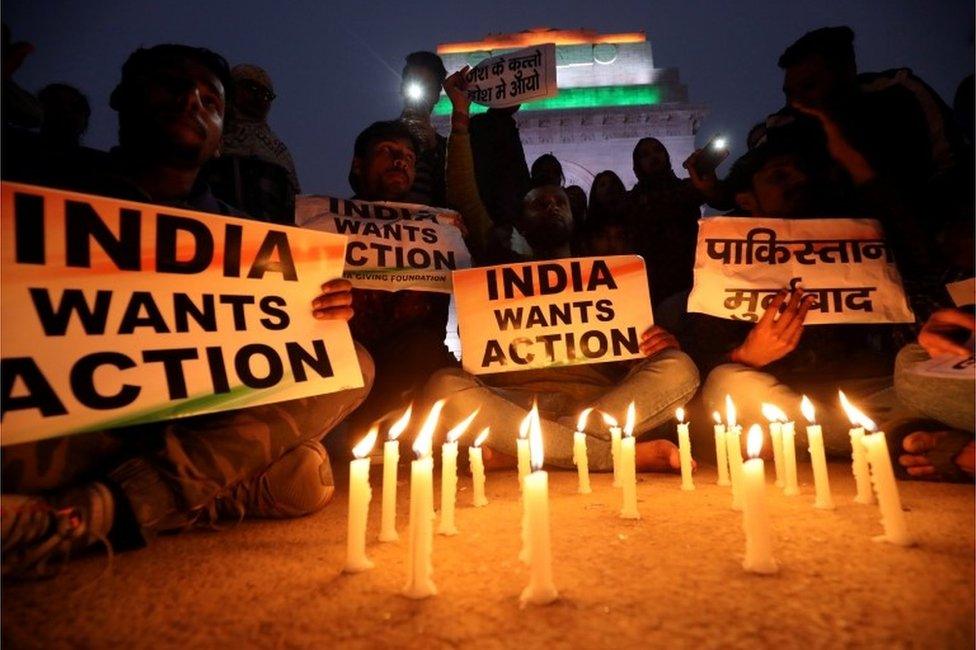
{"x": 680, "y": 414}
{"x": 482, "y": 437}
{"x": 855, "y": 415}
{"x": 773, "y": 413}
{"x": 583, "y": 417}
{"x": 754, "y": 441}
{"x": 422, "y": 444}
{"x": 535, "y": 440}
{"x": 806, "y": 407}
{"x": 366, "y": 444}
{"x": 527, "y": 422}
{"x": 462, "y": 426}
{"x": 401, "y": 424}
{"x": 717, "y": 417}
{"x": 729, "y": 412}
{"x": 631, "y": 420}
{"x": 609, "y": 420}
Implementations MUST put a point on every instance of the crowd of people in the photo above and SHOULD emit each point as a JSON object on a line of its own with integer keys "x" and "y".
{"x": 193, "y": 133}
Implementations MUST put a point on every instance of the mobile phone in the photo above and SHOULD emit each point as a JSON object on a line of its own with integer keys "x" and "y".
{"x": 713, "y": 153}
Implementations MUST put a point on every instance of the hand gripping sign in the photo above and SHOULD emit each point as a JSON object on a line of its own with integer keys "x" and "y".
{"x": 392, "y": 246}
{"x": 845, "y": 264}
{"x": 117, "y": 313}
{"x": 554, "y": 313}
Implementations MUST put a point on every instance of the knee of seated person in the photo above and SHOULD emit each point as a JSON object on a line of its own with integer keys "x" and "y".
{"x": 908, "y": 356}
{"x": 721, "y": 382}
{"x": 678, "y": 366}
{"x": 367, "y": 367}
{"x": 303, "y": 483}
{"x": 445, "y": 382}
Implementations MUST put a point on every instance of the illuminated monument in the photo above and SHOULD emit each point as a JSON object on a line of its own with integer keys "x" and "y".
{"x": 610, "y": 96}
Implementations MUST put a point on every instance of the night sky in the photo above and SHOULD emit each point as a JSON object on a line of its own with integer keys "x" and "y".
{"x": 335, "y": 66}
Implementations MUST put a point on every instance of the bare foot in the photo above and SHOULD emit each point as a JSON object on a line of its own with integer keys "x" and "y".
{"x": 917, "y": 444}
{"x": 496, "y": 460}
{"x": 659, "y": 456}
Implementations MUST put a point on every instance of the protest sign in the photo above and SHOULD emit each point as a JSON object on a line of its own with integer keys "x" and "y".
{"x": 963, "y": 292}
{"x": 116, "y": 313}
{"x": 948, "y": 366}
{"x": 515, "y": 77}
{"x": 741, "y": 263}
{"x": 392, "y": 246}
{"x": 554, "y": 313}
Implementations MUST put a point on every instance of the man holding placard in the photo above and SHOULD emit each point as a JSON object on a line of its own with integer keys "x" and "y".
{"x": 543, "y": 326}
{"x": 126, "y": 484}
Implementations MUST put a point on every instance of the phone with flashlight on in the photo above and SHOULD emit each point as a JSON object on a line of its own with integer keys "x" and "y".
{"x": 713, "y": 153}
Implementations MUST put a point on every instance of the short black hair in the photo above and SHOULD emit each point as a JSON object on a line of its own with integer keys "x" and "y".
{"x": 807, "y": 147}
{"x": 428, "y": 60}
{"x": 144, "y": 60}
{"x": 834, "y": 44}
{"x": 375, "y": 132}
{"x": 547, "y": 158}
{"x": 47, "y": 91}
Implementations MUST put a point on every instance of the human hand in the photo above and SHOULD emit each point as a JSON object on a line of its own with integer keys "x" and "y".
{"x": 335, "y": 301}
{"x": 838, "y": 146}
{"x": 456, "y": 87}
{"x": 657, "y": 339}
{"x": 773, "y": 338}
{"x": 704, "y": 180}
{"x": 936, "y": 335}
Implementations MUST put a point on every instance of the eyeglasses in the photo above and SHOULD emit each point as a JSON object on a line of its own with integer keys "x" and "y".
{"x": 257, "y": 89}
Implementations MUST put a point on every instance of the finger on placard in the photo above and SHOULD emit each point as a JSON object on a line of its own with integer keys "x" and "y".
{"x": 954, "y": 317}
{"x": 651, "y": 331}
{"x": 789, "y": 313}
{"x": 937, "y": 344}
{"x": 927, "y": 470}
{"x": 333, "y": 300}
{"x": 773, "y": 309}
{"x": 336, "y": 285}
{"x": 333, "y": 313}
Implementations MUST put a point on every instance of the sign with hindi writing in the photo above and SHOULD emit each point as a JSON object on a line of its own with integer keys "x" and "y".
{"x": 515, "y": 77}
{"x": 118, "y": 313}
{"x": 845, "y": 264}
{"x": 553, "y": 313}
{"x": 392, "y": 246}
{"x": 948, "y": 366}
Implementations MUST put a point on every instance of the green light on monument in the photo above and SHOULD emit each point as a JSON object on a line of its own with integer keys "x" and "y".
{"x": 599, "y": 97}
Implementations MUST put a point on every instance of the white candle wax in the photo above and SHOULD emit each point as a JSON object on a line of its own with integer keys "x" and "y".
{"x": 541, "y": 589}
{"x": 522, "y": 448}
{"x": 616, "y": 434}
{"x": 889, "y": 501}
{"x": 477, "y": 465}
{"x": 391, "y": 457}
{"x": 449, "y": 454}
{"x": 859, "y": 465}
{"x": 582, "y": 462}
{"x": 628, "y": 478}
{"x": 684, "y": 451}
{"x": 776, "y": 438}
{"x": 818, "y": 459}
{"x": 359, "y": 496}
{"x": 733, "y": 444}
{"x": 721, "y": 455}
{"x": 755, "y": 519}
{"x": 791, "y": 488}
{"x": 420, "y": 583}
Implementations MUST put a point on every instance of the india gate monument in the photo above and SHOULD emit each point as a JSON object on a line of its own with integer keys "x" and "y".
{"x": 610, "y": 96}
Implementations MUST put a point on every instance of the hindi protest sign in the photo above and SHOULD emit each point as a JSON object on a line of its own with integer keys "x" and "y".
{"x": 514, "y": 77}
{"x": 118, "y": 313}
{"x": 741, "y": 263}
{"x": 554, "y": 313}
{"x": 948, "y": 366}
{"x": 392, "y": 246}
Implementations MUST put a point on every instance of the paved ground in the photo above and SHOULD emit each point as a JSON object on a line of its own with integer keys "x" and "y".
{"x": 672, "y": 578}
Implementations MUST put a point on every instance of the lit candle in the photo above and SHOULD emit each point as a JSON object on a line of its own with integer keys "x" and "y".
{"x": 522, "y": 446}
{"x": 776, "y": 418}
{"x": 818, "y": 457}
{"x": 721, "y": 453}
{"x": 615, "y": 436}
{"x": 359, "y": 496}
{"x": 477, "y": 465}
{"x": 449, "y": 454}
{"x": 733, "y": 445}
{"x": 755, "y": 519}
{"x": 420, "y": 583}
{"x": 391, "y": 457}
{"x": 684, "y": 451}
{"x": 541, "y": 589}
{"x": 859, "y": 459}
{"x": 789, "y": 459}
{"x": 889, "y": 501}
{"x": 628, "y": 467}
{"x": 531, "y": 420}
{"x": 579, "y": 453}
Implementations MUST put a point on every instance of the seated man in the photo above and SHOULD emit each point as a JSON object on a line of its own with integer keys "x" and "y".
{"x": 663, "y": 381}
{"x": 938, "y": 445}
{"x": 125, "y": 485}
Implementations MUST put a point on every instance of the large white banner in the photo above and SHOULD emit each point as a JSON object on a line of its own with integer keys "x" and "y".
{"x": 392, "y": 246}
{"x": 741, "y": 263}
{"x": 515, "y": 77}
{"x": 117, "y": 313}
{"x": 553, "y": 313}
